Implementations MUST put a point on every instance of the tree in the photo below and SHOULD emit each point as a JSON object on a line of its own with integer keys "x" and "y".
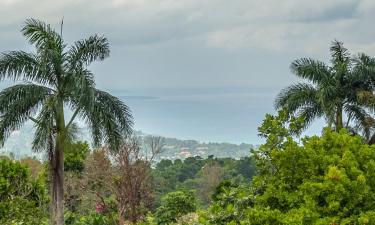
{"x": 332, "y": 91}
{"x": 89, "y": 197}
{"x": 230, "y": 201}
{"x": 74, "y": 164}
{"x": 312, "y": 181}
{"x": 245, "y": 167}
{"x": 210, "y": 177}
{"x": 132, "y": 178}
{"x": 34, "y": 165}
{"x": 56, "y": 78}
{"x": 119, "y": 184}
{"x": 23, "y": 198}
{"x": 174, "y": 205}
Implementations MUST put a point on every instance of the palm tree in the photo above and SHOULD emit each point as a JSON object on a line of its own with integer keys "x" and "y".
{"x": 55, "y": 78}
{"x": 331, "y": 91}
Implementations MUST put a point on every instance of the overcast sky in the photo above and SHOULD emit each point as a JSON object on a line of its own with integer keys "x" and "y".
{"x": 208, "y": 44}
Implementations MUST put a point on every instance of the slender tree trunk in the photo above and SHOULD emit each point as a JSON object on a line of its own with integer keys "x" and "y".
{"x": 51, "y": 158}
{"x": 58, "y": 169}
{"x": 58, "y": 187}
{"x": 339, "y": 120}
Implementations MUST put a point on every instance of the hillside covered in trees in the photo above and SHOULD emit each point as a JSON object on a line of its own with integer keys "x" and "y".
{"x": 19, "y": 146}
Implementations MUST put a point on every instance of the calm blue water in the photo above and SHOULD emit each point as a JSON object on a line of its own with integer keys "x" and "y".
{"x": 214, "y": 114}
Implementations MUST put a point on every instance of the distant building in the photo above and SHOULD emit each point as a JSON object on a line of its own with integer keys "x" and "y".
{"x": 201, "y": 152}
{"x": 185, "y": 153}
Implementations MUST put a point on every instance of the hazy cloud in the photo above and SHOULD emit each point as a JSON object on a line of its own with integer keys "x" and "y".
{"x": 195, "y": 42}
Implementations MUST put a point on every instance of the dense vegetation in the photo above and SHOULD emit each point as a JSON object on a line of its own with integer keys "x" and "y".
{"x": 318, "y": 180}
{"x": 323, "y": 180}
{"x": 92, "y": 196}
{"x": 23, "y": 198}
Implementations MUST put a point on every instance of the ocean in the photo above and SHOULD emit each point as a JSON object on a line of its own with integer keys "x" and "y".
{"x": 222, "y": 114}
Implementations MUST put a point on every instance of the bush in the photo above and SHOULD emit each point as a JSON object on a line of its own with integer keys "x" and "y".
{"x": 174, "y": 205}
{"x": 92, "y": 218}
{"x": 22, "y": 201}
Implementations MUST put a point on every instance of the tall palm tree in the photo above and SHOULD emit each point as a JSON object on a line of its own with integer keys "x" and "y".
{"x": 55, "y": 78}
{"x": 331, "y": 91}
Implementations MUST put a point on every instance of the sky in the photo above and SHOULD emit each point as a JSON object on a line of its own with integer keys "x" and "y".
{"x": 199, "y": 69}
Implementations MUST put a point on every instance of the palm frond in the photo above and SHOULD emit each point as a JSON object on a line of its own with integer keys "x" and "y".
{"x": 88, "y": 50}
{"x": 45, "y": 127}
{"x": 41, "y": 34}
{"x": 296, "y": 96}
{"x": 109, "y": 118}
{"x": 364, "y": 68}
{"x": 313, "y": 70}
{"x": 81, "y": 86}
{"x": 19, "y": 65}
{"x": 363, "y": 121}
{"x": 17, "y": 103}
{"x": 22, "y": 96}
{"x": 117, "y": 108}
{"x": 340, "y": 55}
{"x": 309, "y": 113}
{"x": 72, "y": 133}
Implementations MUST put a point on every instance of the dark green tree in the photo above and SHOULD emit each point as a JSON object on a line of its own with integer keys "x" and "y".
{"x": 332, "y": 91}
{"x": 56, "y": 78}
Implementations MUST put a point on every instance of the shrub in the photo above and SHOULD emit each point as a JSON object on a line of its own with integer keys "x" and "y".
{"x": 174, "y": 205}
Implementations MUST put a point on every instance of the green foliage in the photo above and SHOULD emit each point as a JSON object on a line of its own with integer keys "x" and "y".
{"x": 22, "y": 201}
{"x": 322, "y": 180}
{"x": 230, "y": 202}
{"x": 175, "y": 205}
{"x": 277, "y": 130}
{"x": 75, "y": 155}
{"x": 201, "y": 175}
{"x": 92, "y": 218}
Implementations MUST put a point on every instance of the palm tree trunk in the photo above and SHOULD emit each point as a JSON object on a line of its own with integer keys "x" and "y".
{"x": 58, "y": 187}
{"x": 339, "y": 120}
{"x": 58, "y": 170}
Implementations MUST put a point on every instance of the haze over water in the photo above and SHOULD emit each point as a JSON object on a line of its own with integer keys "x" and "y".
{"x": 223, "y": 114}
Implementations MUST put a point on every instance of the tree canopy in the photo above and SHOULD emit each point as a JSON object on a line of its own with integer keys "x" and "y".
{"x": 314, "y": 180}
{"x": 332, "y": 92}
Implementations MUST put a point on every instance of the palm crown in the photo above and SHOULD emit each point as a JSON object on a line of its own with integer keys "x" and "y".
{"x": 331, "y": 91}
{"x": 56, "y": 76}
